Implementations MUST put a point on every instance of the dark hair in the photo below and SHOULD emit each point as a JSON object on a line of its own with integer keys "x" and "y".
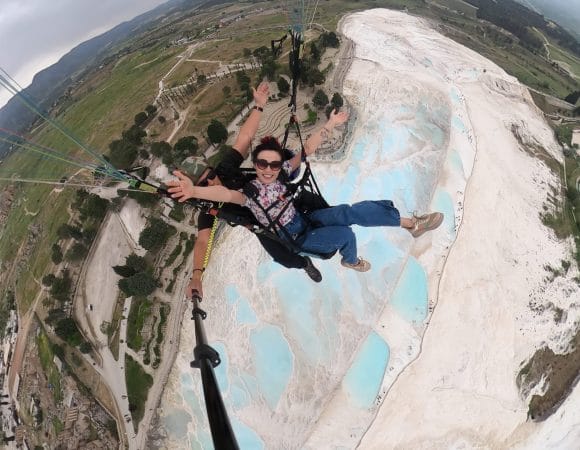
{"x": 210, "y": 174}
{"x": 268, "y": 143}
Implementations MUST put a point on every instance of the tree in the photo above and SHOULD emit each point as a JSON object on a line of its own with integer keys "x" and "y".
{"x": 56, "y": 255}
{"x": 151, "y": 110}
{"x": 201, "y": 79}
{"x": 61, "y": 287}
{"x": 66, "y": 231}
{"x": 155, "y": 234}
{"x": 160, "y": 148}
{"x": 247, "y": 52}
{"x": 54, "y": 315}
{"x": 85, "y": 347}
{"x": 77, "y": 252}
{"x": 136, "y": 262}
{"x": 141, "y": 118}
{"x": 283, "y": 86}
{"x": 48, "y": 279}
{"x": 315, "y": 77}
{"x": 122, "y": 153}
{"x": 124, "y": 271}
{"x": 572, "y": 97}
{"x": 314, "y": 52}
{"x": 161, "y": 119}
{"x": 262, "y": 53}
{"x": 328, "y": 110}
{"x": 226, "y": 91}
{"x": 89, "y": 234}
{"x": 145, "y": 199}
{"x": 67, "y": 330}
{"x": 140, "y": 284}
{"x": 320, "y": 99}
{"x": 217, "y": 132}
{"x": 184, "y": 147}
{"x": 81, "y": 196}
{"x": 135, "y": 135}
{"x": 269, "y": 68}
{"x": 337, "y": 100}
{"x": 564, "y": 134}
{"x": 243, "y": 79}
{"x": 329, "y": 40}
{"x": 95, "y": 207}
{"x": 167, "y": 159}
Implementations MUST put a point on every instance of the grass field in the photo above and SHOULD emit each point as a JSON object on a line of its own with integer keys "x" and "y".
{"x": 563, "y": 57}
{"x": 46, "y": 359}
{"x": 140, "y": 309}
{"x": 187, "y": 70}
{"x": 570, "y": 61}
{"x": 530, "y": 69}
{"x": 138, "y": 384}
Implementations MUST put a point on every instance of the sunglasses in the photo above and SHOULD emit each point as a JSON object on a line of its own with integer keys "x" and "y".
{"x": 263, "y": 164}
{"x": 210, "y": 176}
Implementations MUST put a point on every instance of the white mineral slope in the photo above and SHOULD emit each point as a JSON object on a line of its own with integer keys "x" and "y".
{"x": 494, "y": 305}
{"x": 432, "y": 129}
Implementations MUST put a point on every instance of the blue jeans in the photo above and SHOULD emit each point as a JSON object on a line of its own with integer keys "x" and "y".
{"x": 331, "y": 226}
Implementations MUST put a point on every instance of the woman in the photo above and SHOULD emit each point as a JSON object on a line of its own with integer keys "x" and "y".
{"x": 332, "y": 225}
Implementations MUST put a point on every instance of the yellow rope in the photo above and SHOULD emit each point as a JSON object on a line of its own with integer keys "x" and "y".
{"x": 210, "y": 241}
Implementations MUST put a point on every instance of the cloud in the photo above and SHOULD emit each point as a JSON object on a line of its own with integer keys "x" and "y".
{"x": 36, "y": 33}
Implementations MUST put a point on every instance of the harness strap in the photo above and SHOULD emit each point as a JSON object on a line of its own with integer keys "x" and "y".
{"x": 210, "y": 241}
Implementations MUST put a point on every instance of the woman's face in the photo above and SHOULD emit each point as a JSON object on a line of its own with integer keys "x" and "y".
{"x": 268, "y": 164}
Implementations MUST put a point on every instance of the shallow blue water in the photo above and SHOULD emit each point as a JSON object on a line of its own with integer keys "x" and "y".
{"x": 273, "y": 362}
{"x": 457, "y": 123}
{"x": 239, "y": 396}
{"x": 454, "y": 161}
{"x": 454, "y": 94}
{"x": 176, "y": 421}
{"x": 444, "y": 203}
{"x": 410, "y": 296}
{"x": 246, "y": 437}
{"x": 202, "y": 440}
{"x": 190, "y": 398}
{"x": 364, "y": 378}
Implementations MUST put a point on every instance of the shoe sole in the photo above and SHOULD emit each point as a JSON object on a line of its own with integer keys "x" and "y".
{"x": 433, "y": 226}
{"x": 312, "y": 271}
{"x": 365, "y": 267}
{"x": 316, "y": 277}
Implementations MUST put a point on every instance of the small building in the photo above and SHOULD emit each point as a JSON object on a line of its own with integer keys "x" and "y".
{"x": 576, "y": 137}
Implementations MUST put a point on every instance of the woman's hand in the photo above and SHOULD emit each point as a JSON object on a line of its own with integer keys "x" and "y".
{"x": 194, "y": 285}
{"x": 181, "y": 189}
{"x": 261, "y": 94}
{"x": 337, "y": 118}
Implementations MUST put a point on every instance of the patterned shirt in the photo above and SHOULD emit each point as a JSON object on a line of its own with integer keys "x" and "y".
{"x": 268, "y": 194}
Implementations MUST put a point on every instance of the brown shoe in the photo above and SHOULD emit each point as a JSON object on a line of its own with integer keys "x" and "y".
{"x": 426, "y": 222}
{"x": 360, "y": 266}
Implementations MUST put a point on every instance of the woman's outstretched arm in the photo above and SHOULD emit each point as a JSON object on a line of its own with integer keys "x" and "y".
{"x": 320, "y": 135}
{"x": 183, "y": 189}
{"x": 250, "y": 126}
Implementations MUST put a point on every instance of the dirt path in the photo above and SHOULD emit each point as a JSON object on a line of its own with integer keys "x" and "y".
{"x": 24, "y": 324}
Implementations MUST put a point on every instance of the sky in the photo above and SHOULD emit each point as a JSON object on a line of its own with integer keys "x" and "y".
{"x": 565, "y": 12}
{"x": 34, "y": 34}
